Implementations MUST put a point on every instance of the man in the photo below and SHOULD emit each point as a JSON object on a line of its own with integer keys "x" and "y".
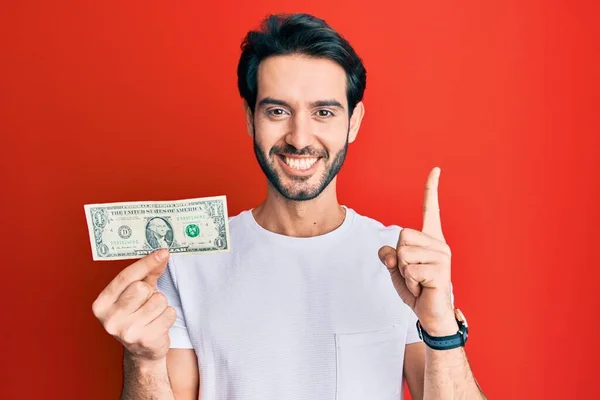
{"x": 304, "y": 306}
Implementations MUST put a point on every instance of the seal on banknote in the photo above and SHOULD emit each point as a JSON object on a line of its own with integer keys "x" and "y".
{"x": 125, "y": 231}
{"x": 192, "y": 230}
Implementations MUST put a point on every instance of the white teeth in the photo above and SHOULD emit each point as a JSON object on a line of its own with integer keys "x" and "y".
{"x": 300, "y": 163}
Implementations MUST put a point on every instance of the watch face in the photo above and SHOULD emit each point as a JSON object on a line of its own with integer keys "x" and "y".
{"x": 460, "y": 316}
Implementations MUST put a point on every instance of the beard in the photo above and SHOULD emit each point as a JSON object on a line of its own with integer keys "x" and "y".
{"x": 267, "y": 164}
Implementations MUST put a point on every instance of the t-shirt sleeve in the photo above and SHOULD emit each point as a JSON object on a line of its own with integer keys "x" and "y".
{"x": 167, "y": 285}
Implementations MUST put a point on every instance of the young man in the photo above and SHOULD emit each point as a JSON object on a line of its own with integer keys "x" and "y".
{"x": 315, "y": 301}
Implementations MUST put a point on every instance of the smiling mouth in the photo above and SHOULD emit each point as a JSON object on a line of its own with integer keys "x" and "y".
{"x": 299, "y": 163}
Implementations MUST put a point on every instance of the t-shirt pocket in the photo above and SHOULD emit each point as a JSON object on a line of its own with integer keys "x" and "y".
{"x": 369, "y": 364}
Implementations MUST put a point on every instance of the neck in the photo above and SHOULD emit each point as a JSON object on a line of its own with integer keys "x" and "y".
{"x": 307, "y": 218}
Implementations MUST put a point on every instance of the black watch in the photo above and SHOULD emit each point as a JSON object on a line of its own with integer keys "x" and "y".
{"x": 459, "y": 339}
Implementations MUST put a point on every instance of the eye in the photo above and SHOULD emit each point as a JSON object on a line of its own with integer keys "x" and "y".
{"x": 276, "y": 112}
{"x": 325, "y": 113}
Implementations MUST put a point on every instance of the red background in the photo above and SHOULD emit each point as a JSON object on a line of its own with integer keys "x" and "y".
{"x": 122, "y": 101}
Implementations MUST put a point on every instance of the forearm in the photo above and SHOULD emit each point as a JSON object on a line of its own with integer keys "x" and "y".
{"x": 145, "y": 380}
{"x": 448, "y": 375}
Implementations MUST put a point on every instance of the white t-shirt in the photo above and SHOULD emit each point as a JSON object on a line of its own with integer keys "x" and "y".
{"x": 285, "y": 318}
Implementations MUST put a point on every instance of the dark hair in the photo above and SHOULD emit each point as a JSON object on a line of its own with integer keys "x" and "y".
{"x": 298, "y": 34}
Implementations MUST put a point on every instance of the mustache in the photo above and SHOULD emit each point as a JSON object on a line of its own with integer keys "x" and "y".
{"x": 291, "y": 150}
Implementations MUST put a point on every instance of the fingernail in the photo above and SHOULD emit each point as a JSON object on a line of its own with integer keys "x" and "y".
{"x": 161, "y": 255}
{"x": 385, "y": 262}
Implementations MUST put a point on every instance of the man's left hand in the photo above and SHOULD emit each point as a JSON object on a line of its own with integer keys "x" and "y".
{"x": 420, "y": 267}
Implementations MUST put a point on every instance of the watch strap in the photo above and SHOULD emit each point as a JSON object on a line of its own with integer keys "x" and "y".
{"x": 449, "y": 342}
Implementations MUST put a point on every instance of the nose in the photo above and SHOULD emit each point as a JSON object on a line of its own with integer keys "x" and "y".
{"x": 300, "y": 133}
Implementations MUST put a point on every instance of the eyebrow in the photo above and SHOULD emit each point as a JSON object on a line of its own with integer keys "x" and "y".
{"x": 313, "y": 104}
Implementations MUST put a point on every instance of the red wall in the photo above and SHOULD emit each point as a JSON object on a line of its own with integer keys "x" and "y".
{"x": 121, "y": 101}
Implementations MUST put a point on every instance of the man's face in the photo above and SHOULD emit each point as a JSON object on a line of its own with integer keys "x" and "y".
{"x": 160, "y": 228}
{"x": 300, "y": 124}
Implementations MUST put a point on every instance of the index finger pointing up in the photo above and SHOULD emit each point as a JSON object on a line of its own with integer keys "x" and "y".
{"x": 432, "y": 223}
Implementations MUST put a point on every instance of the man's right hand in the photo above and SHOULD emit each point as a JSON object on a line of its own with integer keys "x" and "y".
{"x": 131, "y": 310}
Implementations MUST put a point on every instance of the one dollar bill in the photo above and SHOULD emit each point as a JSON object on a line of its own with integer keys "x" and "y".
{"x": 127, "y": 230}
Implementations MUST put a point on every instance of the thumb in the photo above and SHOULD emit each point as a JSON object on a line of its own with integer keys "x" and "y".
{"x": 162, "y": 256}
{"x": 388, "y": 257}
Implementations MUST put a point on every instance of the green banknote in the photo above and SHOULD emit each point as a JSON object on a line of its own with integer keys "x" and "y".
{"x": 121, "y": 231}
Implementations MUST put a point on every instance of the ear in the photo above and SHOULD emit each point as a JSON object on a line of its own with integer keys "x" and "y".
{"x": 355, "y": 120}
{"x": 249, "y": 119}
